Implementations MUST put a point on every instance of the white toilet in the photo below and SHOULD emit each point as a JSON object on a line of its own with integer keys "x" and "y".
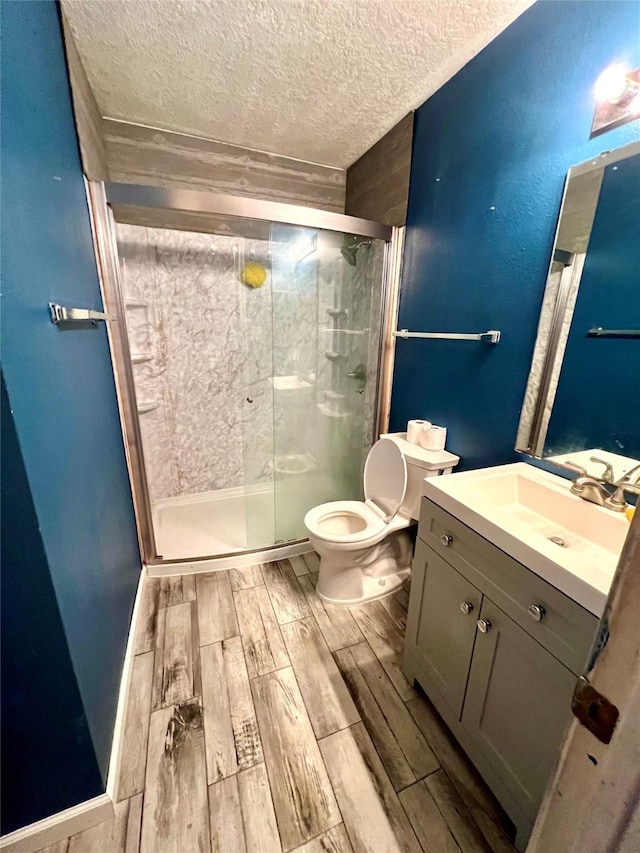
{"x": 364, "y": 546}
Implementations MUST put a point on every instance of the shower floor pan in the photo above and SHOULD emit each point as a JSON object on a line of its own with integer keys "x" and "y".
{"x": 211, "y": 523}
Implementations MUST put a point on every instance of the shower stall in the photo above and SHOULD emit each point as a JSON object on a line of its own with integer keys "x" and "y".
{"x": 248, "y": 339}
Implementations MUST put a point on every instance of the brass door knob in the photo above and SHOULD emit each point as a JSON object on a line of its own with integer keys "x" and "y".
{"x": 484, "y": 626}
{"x": 466, "y": 607}
{"x": 446, "y": 539}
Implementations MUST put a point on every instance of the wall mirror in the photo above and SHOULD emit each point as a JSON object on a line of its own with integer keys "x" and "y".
{"x": 583, "y": 391}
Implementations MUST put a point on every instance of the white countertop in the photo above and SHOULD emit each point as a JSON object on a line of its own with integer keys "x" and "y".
{"x": 518, "y": 508}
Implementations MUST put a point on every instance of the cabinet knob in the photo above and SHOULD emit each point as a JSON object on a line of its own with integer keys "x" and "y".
{"x": 466, "y": 607}
{"x": 446, "y": 539}
{"x": 484, "y": 626}
{"x": 536, "y": 611}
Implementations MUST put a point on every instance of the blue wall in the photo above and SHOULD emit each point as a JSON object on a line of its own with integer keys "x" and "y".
{"x": 491, "y": 151}
{"x": 60, "y": 383}
{"x": 48, "y": 760}
{"x": 609, "y": 296}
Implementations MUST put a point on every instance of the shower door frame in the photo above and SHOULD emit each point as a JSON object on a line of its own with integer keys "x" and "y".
{"x": 110, "y": 203}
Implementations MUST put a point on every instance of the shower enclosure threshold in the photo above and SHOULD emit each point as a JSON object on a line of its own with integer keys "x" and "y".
{"x": 222, "y": 524}
{"x": 241, "y": 560}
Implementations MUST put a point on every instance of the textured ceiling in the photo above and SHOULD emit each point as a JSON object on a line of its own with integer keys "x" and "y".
{"x": 321, "y": 80}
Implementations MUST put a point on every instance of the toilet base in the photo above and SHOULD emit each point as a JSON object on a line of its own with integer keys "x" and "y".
{"x": 355, "y": 575}
{"x": 373, "y": 588}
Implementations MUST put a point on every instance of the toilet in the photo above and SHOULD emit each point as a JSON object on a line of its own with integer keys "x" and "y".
{"x": 365, "y": 547}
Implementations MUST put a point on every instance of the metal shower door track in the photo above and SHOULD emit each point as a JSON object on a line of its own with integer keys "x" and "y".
{"x": 192, "y": 201}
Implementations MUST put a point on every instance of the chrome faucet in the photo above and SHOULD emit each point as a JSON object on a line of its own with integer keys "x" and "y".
{"x": 594, "y": 489}
{"x": 587, "y": 487}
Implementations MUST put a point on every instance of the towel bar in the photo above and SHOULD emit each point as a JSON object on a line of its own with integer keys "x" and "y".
{"x": 491, "y": 337}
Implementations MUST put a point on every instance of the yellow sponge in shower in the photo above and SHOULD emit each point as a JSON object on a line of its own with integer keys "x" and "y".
{"x": 254, "y": 275}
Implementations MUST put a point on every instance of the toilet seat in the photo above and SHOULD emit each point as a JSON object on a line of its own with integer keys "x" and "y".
{"x": 351, "y": 522}
{"x": 385, "y": 477}
{"x": 344, "y": 522}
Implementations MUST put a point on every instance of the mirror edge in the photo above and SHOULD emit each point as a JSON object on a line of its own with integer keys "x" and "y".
{"x": 536, "y": 433}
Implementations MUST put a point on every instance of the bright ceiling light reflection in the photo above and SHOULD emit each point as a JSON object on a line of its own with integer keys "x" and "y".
{"x": 612, "y": 85}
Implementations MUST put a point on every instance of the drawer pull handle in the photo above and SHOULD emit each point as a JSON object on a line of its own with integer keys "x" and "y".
{"x": 466, "y": 607}
{"x": 536, "y": 611}
{"x": 484, "y": 626}
{"x": 446, "y": 539}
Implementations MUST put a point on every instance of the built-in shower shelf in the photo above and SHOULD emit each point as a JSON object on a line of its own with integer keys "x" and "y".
{"x": 288, "y": 383}
{"x": 140, "y": 357}
{"x": 332, "y": 356}
{"x": 358, "y": 332}
{"x": 337, "y": 312}
{"x": 143, "y": 408}
{"x": 327, "y": 410}
{"x": 136, "y": 303}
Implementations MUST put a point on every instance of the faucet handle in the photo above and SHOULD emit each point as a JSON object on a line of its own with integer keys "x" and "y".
{"x": 618, "y": 501}
{"x": 608, "y": 470}
{"x": 582, "y": 472}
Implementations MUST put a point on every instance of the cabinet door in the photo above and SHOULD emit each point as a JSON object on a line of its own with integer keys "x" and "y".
{"x": 439, "y": 630}
{"x": 517, "y": 706}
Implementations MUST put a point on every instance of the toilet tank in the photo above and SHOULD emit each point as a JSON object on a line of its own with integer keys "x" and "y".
{"x": 421, "y": 463}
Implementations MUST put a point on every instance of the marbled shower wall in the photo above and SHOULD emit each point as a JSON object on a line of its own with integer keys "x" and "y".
{"x": 206, "y": 348}
{"x": 194, "y": 366}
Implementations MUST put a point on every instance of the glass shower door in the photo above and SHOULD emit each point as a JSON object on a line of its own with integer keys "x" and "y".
{"x": 200, "y": 342}
{"x": 255, "y": 390}
{"x": 326, "y": 316}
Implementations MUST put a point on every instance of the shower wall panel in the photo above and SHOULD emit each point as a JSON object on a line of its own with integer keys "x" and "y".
{"x": 201, "y": 345}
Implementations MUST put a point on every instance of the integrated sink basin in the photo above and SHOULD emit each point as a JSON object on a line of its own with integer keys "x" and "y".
{"x": 531, "y": 515}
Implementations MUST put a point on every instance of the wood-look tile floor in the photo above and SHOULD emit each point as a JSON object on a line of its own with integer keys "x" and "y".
{"x": 261, "y": 720}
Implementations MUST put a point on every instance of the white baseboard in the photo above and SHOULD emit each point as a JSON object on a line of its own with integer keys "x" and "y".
{"x": 59, "y": 826}
{"x": 237, "y": 561}
{"x": 113, "y": 773}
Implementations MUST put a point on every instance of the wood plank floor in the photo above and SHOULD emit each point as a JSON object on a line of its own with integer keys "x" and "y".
{"x": 261, "y": 720}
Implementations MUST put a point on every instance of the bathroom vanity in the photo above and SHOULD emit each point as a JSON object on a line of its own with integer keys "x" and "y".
{"x": 508, "y": 583}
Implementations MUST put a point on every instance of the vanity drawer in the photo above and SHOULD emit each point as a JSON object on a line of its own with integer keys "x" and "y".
{"x": 566, "y": 629}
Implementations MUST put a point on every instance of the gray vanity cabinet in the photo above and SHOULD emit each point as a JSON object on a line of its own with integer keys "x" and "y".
{"x": 446, "y": 630}
{"x": 517, "y": 705}
{"x": 498, "y": 651}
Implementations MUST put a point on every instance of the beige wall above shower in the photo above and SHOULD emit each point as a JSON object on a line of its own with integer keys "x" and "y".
{"x": 378, "y": 183}
{"x": 142, "y": 155}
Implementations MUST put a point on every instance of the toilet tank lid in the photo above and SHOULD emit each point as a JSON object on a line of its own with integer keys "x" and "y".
{"x": 430, "y": 460}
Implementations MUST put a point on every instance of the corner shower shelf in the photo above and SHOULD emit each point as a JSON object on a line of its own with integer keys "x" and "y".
{"x": 136, "y": 303}
{"x": 143, "y": 408}
{"x": 139, "y": 357}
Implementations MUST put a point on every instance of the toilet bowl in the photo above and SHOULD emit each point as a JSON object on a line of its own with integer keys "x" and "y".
{"x": 365, "y": 547}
